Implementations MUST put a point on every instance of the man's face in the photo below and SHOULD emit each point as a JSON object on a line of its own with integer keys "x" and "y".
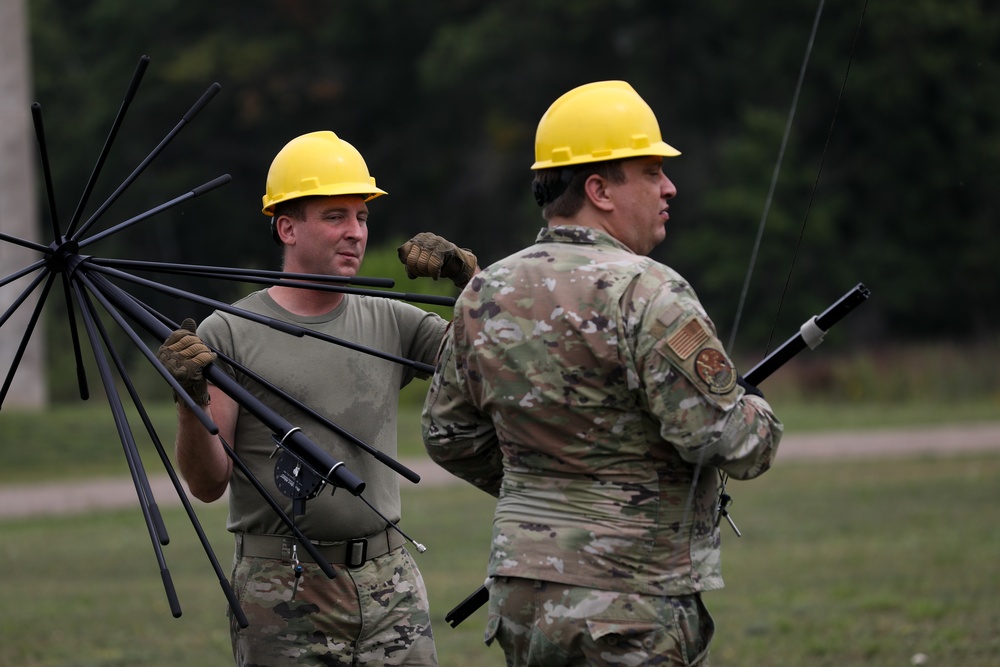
{"x": 641, "y": 204}
{"x": 331, "y": 239}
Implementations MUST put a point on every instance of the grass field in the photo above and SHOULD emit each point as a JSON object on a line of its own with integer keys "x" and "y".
{"x": 881, "y": 562}
{"x": 845, "y": 563}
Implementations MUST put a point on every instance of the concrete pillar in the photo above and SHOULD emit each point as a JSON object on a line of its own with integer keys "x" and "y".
{"x": 18, "y": 209}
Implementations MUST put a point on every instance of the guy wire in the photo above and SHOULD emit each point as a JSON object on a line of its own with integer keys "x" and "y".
{"x": 723, "y": 476}
{"x": 774, "y": 181}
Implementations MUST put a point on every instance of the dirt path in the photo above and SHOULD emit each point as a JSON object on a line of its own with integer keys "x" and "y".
{"x": 64, "y": 498}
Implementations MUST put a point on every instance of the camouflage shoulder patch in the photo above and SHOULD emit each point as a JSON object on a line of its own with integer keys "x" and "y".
{"x": 713, "y": 367}
{"x": 695, "y": 351}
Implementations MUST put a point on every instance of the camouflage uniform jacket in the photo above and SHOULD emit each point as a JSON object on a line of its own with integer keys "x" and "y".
{"x": 585, "y": 387}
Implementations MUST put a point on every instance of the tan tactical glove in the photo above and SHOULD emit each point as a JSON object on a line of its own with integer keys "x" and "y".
{"x": 429, "y": 255}
{"x": 186, "y": 356}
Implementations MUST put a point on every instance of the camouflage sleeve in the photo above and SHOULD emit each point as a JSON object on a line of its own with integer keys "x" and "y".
{"x": 457, "y": 436}
{"x": 691, "y": 389}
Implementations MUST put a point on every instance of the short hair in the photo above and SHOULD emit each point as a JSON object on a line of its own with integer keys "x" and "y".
{"x": 293, "y": 208}
{"x": 560, "y": 191}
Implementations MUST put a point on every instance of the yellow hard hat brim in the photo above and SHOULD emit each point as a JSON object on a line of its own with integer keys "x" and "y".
{"x": 660, "y": 148}
{"x": 366, "y": 190}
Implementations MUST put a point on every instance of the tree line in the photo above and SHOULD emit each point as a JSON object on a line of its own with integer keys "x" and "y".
{"x": 884, "y": 177}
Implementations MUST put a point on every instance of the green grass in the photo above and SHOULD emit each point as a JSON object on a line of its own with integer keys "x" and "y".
{"x": 75, "y": 440}
{"x": 80, "y": 440}
{"x": 86, "y": 591}
{"x": 803, "y": 416}
{"x": 841, "y": 563}
{"x": 863, "y": 563}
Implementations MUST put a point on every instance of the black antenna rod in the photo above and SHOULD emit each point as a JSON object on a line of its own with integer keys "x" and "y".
{"x": 24, "y": 295}
{"x": 203, "y": 417}
{"x": 74, "y": 334}
{"x": 23, "y": 272}
{"x": 220, "y": 574}
{"x": 119, "y": 415}
{"x": 307, "y": 450}
{"x": 223, "y": 272}
{"x": 810, "y": 335}
{"x": 191, "y": 194}
{"x": 143, "y": 490}
{"x": 28, "y": 331}
{"x": 142, "y": 313}
{"x": 129, "y": 96}
{"x": 192, "y": 112}
{"x": 257, "y": 277}
{"x": 379, "y": 455}
{"x": 30, "y": 245}
{"x": 278, "y": 325}
{"x": 297, "y": 442}
{"x": 43, "y": 151}
{"x": 287, "y": 520}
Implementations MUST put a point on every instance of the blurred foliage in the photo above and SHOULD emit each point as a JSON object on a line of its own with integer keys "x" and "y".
{"x": 442, "y": 97}
{"x": 383, "y": 262}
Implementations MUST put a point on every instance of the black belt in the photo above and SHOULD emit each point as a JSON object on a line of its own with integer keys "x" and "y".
{"x": 352, "y": 553}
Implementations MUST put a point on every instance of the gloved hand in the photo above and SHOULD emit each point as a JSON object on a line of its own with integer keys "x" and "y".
{"x": 432, "y": 256}
{"x": 186, "y": 356}
{"x": 748, "y": 388}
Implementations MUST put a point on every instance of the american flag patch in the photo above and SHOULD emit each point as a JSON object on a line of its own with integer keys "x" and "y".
{"x": 688, "y": 338}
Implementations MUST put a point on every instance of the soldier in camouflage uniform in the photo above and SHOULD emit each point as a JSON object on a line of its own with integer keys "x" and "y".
{"x": 583, "y": 385}
{"x": 375, "y": 610}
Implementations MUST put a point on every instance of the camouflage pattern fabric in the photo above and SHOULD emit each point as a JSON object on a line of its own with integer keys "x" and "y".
{"x": 586, "y": 388}
{"x": 542, "y": 623}
{"x": 376, "y": 614}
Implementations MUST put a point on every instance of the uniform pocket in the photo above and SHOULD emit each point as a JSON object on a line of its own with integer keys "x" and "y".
{"x": 634, "y": 642}
{"x": 492, "y": 627}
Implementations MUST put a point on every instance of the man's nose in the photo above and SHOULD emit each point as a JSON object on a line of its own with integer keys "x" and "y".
{"x": 668, "y": 188}
{"x": 355, "y": 228}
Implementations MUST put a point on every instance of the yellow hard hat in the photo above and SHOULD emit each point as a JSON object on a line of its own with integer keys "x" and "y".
{"x": 318, "y": 163}
{"x": 605, "y": 120}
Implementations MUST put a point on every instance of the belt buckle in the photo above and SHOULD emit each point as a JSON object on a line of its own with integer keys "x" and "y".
{"x": 357, "y": 552}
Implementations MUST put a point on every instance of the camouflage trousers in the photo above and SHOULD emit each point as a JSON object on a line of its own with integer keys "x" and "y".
{"x": 556, "y": 625}
{"x": 376, "y": 614}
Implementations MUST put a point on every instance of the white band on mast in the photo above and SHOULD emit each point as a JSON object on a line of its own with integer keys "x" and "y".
{"x": 812, "y": 334}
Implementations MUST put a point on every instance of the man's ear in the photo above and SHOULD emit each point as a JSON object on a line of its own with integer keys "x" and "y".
{"x": 284, "y": 229}
{"x": 596, "y": 189}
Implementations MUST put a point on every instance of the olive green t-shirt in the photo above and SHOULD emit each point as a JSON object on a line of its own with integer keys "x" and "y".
{"x": 356, "y": 391}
